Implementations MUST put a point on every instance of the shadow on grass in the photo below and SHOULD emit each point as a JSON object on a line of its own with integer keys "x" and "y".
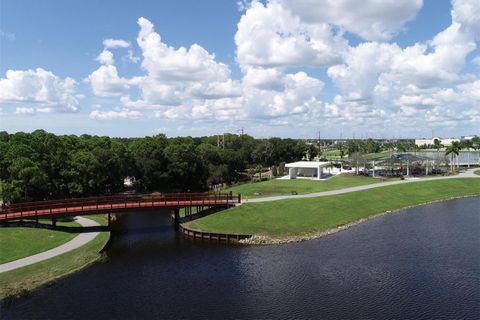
{"x": 42, "y": 225}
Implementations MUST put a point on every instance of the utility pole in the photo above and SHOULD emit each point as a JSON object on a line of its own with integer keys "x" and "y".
{"x": 222, "y": 142}
{"x": 319, "y": 140}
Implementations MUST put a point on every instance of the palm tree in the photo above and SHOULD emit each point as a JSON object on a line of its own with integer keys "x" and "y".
{"x": 401, "y": 148}
{"x": 453, "y": 150}
{"x": 476, "y": 143}
{"x": 437, "y": 144}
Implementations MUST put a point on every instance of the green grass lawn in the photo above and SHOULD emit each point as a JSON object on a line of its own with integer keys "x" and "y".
{"x": 20, "y": 242}
{"x": 477, "y": 172}
{"x": 310, "y": 215}
{"x": 18, "y": 282}
{"x": 277, "y": 187}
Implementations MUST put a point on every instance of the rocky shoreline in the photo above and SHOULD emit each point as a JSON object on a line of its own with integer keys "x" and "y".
{"x": 267, "y": 240}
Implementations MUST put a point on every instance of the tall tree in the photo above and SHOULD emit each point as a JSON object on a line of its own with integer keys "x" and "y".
{"x": 453, "y": 150}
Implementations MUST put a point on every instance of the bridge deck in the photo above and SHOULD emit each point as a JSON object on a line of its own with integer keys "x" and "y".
{"x": 85, "y": 206}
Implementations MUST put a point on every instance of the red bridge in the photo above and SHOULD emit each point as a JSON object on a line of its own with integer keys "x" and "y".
{"x": 112, "y": 204}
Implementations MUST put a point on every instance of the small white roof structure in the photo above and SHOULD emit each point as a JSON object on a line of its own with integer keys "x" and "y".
{"x": 306, "y": 164}
{"x": 304, "y": 169}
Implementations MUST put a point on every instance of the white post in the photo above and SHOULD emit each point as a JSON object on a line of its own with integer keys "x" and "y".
{"x": 319, "y": 173}
{"x": 408, "y": 170}
{"x": 373, "y": 173}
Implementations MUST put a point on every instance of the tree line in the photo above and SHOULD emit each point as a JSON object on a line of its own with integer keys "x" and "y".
{"x": 41, "y": 165}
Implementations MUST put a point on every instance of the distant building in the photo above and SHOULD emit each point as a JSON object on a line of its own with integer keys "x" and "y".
{"x": 430, "y": 142}
{"x": 463, "y": 138}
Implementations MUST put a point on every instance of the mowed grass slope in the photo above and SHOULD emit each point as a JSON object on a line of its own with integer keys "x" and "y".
{"x": 277, "y": 187}
{"x": 310, "y": 215}
{"x": 18, "y": 282}
{"x": 20, "y": 242}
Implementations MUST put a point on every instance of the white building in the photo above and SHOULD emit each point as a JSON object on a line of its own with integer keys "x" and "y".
{"x": 307, "y": 169}
{"x": 463, "y": 138}
{"x": 430, "y": 142}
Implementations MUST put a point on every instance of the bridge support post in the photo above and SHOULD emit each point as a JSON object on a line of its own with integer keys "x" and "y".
{"x": 109, "y": 220}
{"x": 176, "y": 219}
{"x": 54, "y": 222}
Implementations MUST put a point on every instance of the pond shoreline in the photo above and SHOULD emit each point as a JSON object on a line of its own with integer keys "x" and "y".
{"x": 268, "y": 240}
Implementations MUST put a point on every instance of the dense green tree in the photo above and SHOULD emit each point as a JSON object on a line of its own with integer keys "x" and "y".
{"x": 27, "y": 181}
{"x": 352, "y": 146}
{"x": 281, "y": 169}
{"x": 372, "y": 146}
{"x": 185, "y": 169}
{"x": 149, "y": 166}
{"x": 41, "y": 165}
{"x": 82, "y": 174}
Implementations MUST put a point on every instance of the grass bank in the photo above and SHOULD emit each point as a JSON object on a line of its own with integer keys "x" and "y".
{"x": 300, "y": 217}
{"x": 20, "y": 242}
{"x": 277, "y": 187}
{"x": 477, "y": 172}
{"x": 19, "y": 282}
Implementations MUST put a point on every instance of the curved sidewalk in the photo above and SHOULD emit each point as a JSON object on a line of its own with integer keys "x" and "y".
{"x": 78, "y": 241}
{"x": 467, "y": 174}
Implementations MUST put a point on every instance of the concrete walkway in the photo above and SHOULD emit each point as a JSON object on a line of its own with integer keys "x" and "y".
{"x": 78, "y": 241}
{"x": 466, "y": 174}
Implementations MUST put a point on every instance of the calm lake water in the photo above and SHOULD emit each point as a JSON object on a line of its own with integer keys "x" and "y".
{"x": 420, "y": 264}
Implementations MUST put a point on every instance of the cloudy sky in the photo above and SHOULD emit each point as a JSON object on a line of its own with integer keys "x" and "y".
{"x": 382, "y": 68}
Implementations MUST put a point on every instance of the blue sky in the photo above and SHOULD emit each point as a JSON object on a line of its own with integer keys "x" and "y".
{"x": 275, "y": 68}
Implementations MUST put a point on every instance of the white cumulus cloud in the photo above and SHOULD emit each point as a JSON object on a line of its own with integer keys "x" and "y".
{"x": 270, "y": 35}
{"x": 113, "y": 114}
{"x": 40, "y": 88}
{"x": 370, "y": 19}
{"x": 24, "y": 110}
{"x": 115, "y": 43}
{"x": 106, "y": 82}
{"x": 167, "y": 63}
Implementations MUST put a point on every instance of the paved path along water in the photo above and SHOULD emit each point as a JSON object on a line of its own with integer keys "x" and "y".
{"x": 466, "y": 174}
{"x": 78, "y": 241}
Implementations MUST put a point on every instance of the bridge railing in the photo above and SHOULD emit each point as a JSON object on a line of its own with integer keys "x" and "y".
{"x": 51, "y": 207}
